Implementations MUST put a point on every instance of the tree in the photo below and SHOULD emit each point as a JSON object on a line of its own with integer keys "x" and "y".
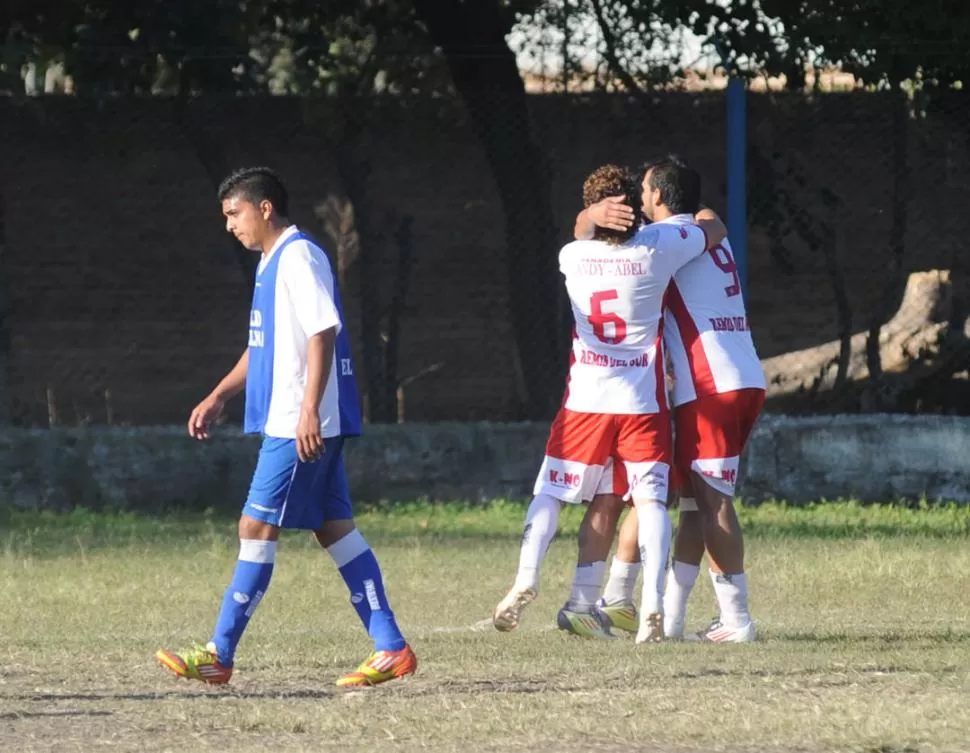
{"x": 344, "y": 50}
{"x": 472, "y": 38}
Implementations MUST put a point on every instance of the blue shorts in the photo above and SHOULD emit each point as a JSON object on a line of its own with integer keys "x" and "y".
{"x": 290, "y": 494}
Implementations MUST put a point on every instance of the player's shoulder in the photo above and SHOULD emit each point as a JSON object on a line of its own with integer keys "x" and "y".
{"x": 650, "y": 234}
{"x": 302, "y": 251}
{"x": 577, "y": 249}
{"x": 580, "y": 246}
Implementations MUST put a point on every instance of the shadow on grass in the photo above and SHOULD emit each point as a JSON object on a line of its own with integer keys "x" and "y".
{"x": 15, "y": 715}
{"x": 409, "y": 688}
{"x": 888, "y": 638}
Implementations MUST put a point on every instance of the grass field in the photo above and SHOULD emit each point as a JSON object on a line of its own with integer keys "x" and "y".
{"x": 863, "y": 613}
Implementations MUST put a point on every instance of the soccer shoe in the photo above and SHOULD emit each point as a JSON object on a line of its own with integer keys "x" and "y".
{"x": 198, "y": 663}
{"x": 673, "y": 627}
{"x": 717, "y": 632}
{"x": 651, "y": 628}
{"x": 619, "y": 616}
{"x": 379, "y": 667}
{"x": 509, "y": 610}
{"x": 585, "y": 624}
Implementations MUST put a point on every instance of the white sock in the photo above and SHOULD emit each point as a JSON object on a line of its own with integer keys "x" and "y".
{"x": 732, "y": 598}
{"x": 540, "y": 527}
{"x": 622, "y": 582}
{"x": 654, "y": 539}
{"x": 680, "y": 581}
{"x": 587, "y": 584}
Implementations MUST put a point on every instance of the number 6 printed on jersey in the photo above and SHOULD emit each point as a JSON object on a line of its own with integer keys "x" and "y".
{"x": 599, "y": 318}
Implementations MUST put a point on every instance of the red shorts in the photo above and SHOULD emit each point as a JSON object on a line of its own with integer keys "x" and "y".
{"x": 598, "y": 453}
{"x": 711, "y": 434}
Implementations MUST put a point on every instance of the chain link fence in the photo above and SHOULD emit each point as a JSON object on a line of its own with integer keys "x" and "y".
{"x": 123, "y": 300}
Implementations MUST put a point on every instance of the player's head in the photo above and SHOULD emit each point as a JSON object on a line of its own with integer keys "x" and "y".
{"x": 254, "y": 201}
{"x": 613, "y": 180}
{"x": 670, "y": 187}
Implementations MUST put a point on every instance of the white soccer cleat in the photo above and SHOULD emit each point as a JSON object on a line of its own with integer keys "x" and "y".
{"x": 651, "y": 628}
{"x": 509, "y": 610}
{"x": 717, "y": 632}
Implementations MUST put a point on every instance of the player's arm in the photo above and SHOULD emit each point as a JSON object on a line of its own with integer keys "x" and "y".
{"x": 319, "y": 361}
{"x": 211, "y": 408}
{"x": 235, "y": 381}
{"x": 612, "y": 212}
{"x": 309, "y": 284}
{"x": 715, "y": 230}
{"x": 679, "y": 244}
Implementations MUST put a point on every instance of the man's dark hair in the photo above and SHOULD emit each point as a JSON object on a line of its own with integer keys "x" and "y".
{"x": 255, "y": 185}
{"x": 679, "y": 185}
{"x": 613, "y": 180}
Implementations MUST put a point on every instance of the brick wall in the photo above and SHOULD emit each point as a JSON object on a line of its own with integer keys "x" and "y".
{"x": 124, "y": 280}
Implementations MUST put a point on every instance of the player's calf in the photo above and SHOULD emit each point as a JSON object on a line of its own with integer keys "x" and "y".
{"x": 725, "y": 547}
{"x": 688, "y": 553}
{"x": 617, "y": 604}
{"x": 654, "y": 532}
{"x": 541, "y": 520}
{"x": 362, "y": 575}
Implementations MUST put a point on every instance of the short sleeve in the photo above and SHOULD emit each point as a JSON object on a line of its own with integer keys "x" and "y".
{"x": 306, "y": 274}
{"x": 680, "y": 243}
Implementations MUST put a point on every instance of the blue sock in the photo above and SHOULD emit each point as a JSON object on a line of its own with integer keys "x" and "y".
{"x": 362, "y": 574}
{"x": 249, "y": 584}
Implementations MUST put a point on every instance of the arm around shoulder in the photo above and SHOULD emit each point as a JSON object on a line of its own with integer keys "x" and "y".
{"x": 714, "y": 229}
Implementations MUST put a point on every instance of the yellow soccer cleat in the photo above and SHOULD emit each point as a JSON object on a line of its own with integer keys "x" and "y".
{"x": 620, "y": 616}
{"x": 584, "y": 624}
{"x": 198, "y": 663}
{"x": 381, "y": 666}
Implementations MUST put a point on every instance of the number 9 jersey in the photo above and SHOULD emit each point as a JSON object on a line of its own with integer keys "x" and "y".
{"x": 707, "y": 333}
{"x": 617, "y": 294}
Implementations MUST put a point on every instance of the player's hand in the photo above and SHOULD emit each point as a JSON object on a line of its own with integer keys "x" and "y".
{"x": 612, "y": 212}
{"x": 203, "y": 415}
{"x": 309, "y": 443}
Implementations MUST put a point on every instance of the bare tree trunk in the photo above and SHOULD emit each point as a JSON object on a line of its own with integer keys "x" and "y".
{"x": 911, "y": 348}
{"x": 877, "y": 398}
{"x": 484, "y": 71}
{"x": 833, "y": 265}
{"x": 395, "y": 312}
{"x": 354, "y": 173}
{"x": 5, "y": 323}
{"x": 212, "y": 156}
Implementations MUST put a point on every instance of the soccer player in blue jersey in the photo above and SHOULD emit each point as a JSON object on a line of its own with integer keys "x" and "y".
{"x": 301, "y": 397}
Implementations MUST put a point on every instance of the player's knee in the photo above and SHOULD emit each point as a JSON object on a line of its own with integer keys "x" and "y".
{"x": 333, "y": 531}
{"x": 257, "y": 530}
{"x": 640, "y": 503}
{"x": 606, "y": 505}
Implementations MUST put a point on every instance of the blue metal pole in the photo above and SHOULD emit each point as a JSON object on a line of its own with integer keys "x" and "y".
{"x": 737, "y": 181}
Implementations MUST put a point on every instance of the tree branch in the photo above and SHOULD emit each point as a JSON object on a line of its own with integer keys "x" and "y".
{"x": 611, "y": 57}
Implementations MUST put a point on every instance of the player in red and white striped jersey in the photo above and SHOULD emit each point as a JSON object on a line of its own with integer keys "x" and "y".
{"x": 718, "y": 393}
{"x": 615, "y": 406}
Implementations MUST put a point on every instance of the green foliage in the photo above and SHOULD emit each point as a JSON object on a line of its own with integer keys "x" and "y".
{"x": 299, "y": 46}
{"x": 186, "y": 47}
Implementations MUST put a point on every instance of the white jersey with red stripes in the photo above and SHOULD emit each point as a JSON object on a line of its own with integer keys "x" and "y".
{"x": 617, "y": 297}
{"x": 706, "y": 328}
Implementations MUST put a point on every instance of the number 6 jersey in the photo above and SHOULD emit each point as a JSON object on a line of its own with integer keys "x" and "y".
{"x": 617, "y": 296}
{"x": 706, "y": 328}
